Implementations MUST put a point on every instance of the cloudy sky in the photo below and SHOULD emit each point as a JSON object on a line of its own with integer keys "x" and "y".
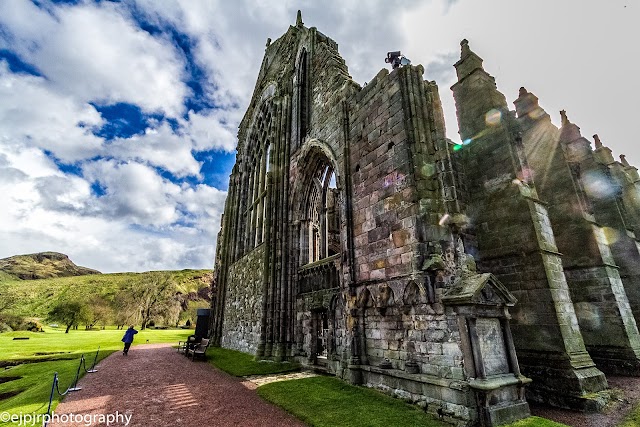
{"x": 118, "y": 118}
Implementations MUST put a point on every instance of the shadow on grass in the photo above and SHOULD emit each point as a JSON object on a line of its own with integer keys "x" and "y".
{"x": 241, "y": 364}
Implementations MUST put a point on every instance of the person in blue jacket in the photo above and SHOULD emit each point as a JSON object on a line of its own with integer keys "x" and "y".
{"x": 127, "y": 339}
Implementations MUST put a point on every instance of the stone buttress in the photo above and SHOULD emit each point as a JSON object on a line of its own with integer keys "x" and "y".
{"x": 590, "y": 233}
{"x": 515, "y": 241}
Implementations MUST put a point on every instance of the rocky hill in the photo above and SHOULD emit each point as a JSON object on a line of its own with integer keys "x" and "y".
{"x": 43, "y": 265}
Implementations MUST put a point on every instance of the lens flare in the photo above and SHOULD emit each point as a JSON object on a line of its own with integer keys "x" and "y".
{"x": 466, "y": 141}
{"x": 457, "y": 147}
{"x": 443, "y": 220}
{"x": 589, "y": 315}
{"x": 612, "y": 235}
{"x": 536, "y": 114}
{"x": 429, "y": 169}
{"x": 597, "y": 185}
{"x": 492, "y": 117}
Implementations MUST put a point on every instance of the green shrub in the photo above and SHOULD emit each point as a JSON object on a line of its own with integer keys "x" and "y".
{"x": 31, "y": 325}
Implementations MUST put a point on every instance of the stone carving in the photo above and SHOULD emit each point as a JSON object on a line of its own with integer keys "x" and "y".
{"x": 385, "y": 298}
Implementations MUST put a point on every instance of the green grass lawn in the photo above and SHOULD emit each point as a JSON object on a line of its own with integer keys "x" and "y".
{"x": 37, "y": 375}
{"x": 241, "y": 364}
{"x": 535, "y": 422}
{"x": 329, "y": 401}
{"x": 54, "y": 340}
{"x": 633, "y": 419}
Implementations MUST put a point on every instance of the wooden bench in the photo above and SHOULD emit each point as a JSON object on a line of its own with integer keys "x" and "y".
{"x": 199, "y": 350}
{"x": 183, "y": 346}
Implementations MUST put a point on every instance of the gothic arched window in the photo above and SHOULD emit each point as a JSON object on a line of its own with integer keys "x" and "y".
{"x": 302, "y": 95}
{"x": 321, "y": 234}
{"x": 255, "y": 161}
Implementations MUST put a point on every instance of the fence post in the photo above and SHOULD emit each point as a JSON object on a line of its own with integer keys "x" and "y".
{"x": 53, "y": 388}
{"x": 74, "y": 386}
{"x": 93, "y": 365}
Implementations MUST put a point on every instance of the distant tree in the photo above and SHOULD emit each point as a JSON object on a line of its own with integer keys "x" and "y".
{"x": 190, "y": 315}
{"x": 125, "y": 308}
{"x": 69, "y": 313}
{"x": 100, "y": 311}
{"x": 7, "y": 301}
{"x": 154, "y": 294}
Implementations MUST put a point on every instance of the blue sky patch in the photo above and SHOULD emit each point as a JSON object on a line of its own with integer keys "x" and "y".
{"x": 216, "y": 167}
{"x": 124, "y": 120}
{"x": 97, "y": 189}
{"x": 17, "y": 65}
{"x": 67, "y": 168}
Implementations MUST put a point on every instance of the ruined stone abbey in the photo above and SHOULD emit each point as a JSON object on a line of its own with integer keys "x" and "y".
{"x": 360, "y": 241}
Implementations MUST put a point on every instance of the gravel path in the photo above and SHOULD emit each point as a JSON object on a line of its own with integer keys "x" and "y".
{"x": 626, "y": 394}
{"x": 156, "y": 386}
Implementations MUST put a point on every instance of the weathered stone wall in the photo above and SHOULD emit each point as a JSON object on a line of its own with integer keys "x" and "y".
{"x": 412, "y": 332}
{"x": 384, "y": 216}
{"x": 243, "y": 311}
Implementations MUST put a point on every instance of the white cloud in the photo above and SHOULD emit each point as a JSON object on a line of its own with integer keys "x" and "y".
{"x": 134, "y": 193}
{"x": 34, "y": 115}
{"x": 159, "y": 147}
{"x": 96, "y": 53}
{"x": 142, "y": 221}
{"x": 213, "y": 130}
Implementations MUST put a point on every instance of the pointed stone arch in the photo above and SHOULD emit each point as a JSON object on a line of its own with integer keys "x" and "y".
{"x": 385, "y": 298}
{"x": 413, "y": 294}
{"x": 364, "y": 299}
{"x": 316, "y": 202}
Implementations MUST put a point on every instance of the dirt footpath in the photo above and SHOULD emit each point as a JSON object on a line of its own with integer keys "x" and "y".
{"x": 156, "y": 386}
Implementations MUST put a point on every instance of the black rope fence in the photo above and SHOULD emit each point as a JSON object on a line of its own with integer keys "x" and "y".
{"x": 55, "y": 385}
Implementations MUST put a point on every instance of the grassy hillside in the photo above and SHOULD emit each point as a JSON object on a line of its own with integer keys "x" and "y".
{"x": 35, "y": 298}
{"x": 41, "y": 265}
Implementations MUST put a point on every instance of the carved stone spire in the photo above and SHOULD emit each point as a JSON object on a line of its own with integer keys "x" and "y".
{"x": 527, "y": 105}
{"x": 602, "y": 153}
{"x": 563, "y": 118}
{"x": 596, "y": 138}
{"x": 569, "y": 132}
{"x": 623, "y": 160}
{"x": 299, "y": 22}
{"x": 468, "y": 62}
{"x": 464, "y": 48}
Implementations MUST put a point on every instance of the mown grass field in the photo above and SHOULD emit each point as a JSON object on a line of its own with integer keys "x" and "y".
{"x": 37, "y": 297}
{"x": 241, "y": 364}
{"x": 54, "y": 351}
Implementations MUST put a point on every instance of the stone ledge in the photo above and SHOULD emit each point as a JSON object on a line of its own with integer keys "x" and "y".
{"x": 494, "y": 383}
{"x": 421, "y": 378}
